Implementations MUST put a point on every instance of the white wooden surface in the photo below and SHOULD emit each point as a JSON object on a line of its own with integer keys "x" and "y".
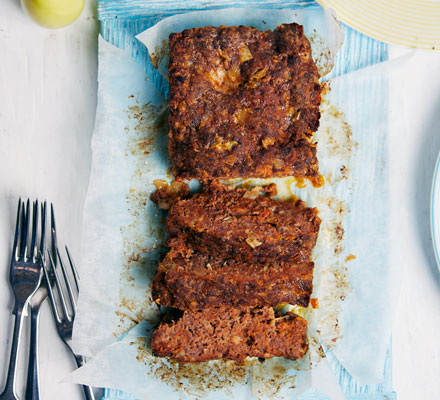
{"x": 47, "y": 107}
{"x": 416, "y": 333}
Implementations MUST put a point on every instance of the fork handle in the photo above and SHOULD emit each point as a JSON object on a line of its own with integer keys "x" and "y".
{"x": 32, "y": 385}
{"x": 88, "y": 392}
{"x": 9, "y": 391}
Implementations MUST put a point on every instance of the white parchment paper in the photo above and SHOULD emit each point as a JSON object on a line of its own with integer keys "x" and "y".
{"x": 123, "y": 232}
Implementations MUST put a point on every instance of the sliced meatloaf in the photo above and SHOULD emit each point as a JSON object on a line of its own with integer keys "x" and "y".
{"x": 231, "y": 333}
{"x": 191, "y": 280}
{"x": 236, "y": 223}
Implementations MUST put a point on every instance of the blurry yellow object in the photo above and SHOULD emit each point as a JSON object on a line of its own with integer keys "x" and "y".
{"x": 411, "y": 23}
{"x": 53, "y": 13}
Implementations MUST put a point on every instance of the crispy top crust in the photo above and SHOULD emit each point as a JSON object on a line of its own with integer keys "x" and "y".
{"x": 231, "y": 333}
{"x": 242, "y": 103}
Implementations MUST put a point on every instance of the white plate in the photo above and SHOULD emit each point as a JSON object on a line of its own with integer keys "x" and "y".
{"x": 435, "y": 211}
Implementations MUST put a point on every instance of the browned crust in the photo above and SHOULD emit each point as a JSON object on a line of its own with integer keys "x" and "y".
{"x": 167, "y": 194}
{"x": 190, "y": 280}
{"x": 231, "y": 333}
{"x": 234, "y": 223}
{"x": 243, "y": 103}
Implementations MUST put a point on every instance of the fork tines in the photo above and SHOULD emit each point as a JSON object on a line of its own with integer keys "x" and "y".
{"x": 22, "y": 250}
{"x": 61, "y": 281}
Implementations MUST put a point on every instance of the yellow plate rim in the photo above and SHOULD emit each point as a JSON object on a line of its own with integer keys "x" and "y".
{"x": 411, "y": 23}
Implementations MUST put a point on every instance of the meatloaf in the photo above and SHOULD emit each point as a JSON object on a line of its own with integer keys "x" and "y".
{"x": 243, "y": 103}
{"x": 190, "y": 280}
{"x": 167, "y": 194}
{"x": 235, "y": 223}
{"x": 231, "y": 333}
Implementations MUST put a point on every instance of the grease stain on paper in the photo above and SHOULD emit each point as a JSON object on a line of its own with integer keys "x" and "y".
{"x": 160, "y": 53}
{"x": 272, "y": 376}
{"x": 143, "y": 237}
{"x": 321, "y": 54}
{"x": 196, "y": 379}
{"x": 330, "y": 280}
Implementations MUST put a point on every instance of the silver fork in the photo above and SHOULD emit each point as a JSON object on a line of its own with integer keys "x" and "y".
{"x": 25, "y": 276}
{"x": 63, "y": 318}
{"x": 35, "y": 303}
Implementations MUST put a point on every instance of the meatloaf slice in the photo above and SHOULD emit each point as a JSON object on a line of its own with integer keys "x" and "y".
{"x": 243, "y": 103}
{"x": 190, "y": 280}
{"x": 231, "y": 333}
{"x": 236, "y": 223}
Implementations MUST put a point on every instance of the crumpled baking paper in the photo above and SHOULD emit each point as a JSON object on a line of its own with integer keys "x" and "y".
{"x": 123, "y": 232}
